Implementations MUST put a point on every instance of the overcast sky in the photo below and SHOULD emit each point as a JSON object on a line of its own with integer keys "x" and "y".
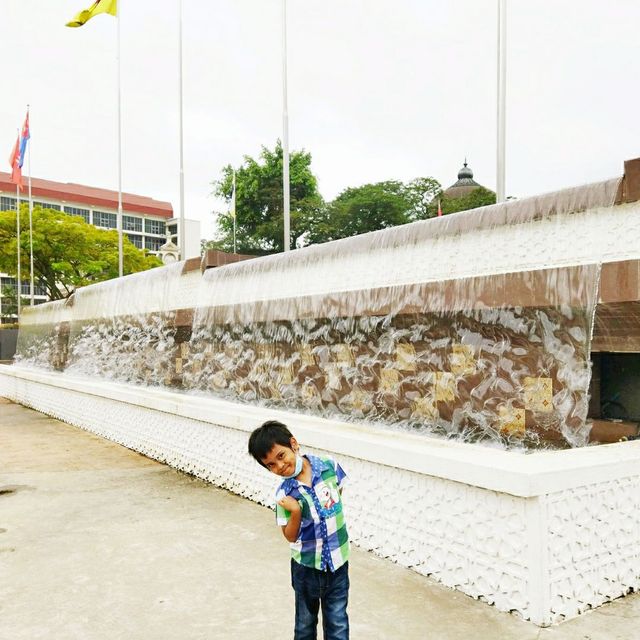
{"x": 378, "y": 89}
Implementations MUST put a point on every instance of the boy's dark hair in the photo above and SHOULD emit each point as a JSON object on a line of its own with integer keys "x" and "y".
{"x": 263, "y": 438}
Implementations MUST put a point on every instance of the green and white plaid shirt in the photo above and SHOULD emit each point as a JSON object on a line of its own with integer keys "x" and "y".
{"x": 323, "y": 542}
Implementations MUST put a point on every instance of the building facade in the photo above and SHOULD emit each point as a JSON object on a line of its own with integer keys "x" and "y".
{"x": 146, "y": 222}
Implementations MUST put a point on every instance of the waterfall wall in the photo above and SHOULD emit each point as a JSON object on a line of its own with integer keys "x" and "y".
{"x": 477, "y": 327}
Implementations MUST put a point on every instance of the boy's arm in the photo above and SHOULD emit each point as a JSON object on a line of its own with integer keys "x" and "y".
{"x": 292, "y": 528}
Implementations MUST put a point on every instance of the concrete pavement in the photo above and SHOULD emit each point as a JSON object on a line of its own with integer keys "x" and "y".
{"x": 98, "y": 542}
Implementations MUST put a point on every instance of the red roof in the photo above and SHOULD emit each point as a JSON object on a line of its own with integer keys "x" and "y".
{"x": 88, "y": 196}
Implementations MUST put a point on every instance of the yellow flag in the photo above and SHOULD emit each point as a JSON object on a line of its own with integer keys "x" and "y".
{"x": 100, "y": 6}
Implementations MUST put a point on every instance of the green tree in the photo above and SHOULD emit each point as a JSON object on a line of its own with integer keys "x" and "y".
{"x": 67, "y": 251}
{"x": 479, "y": 197}
{"x": 362, "y": 209}
{"x": 422, "y": 194}
{"x": 10, "y": 303}
{"x": 259, "y": 205}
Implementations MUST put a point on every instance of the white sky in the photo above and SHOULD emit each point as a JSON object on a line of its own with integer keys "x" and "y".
{"x": 378, "y": 89}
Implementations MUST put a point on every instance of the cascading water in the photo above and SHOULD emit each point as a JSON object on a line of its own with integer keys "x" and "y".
{"x": 43, "y": 335}
{"x": 399, "y": 328}
{"x": 447, "y": 357}
{"x": 113, "y": 335}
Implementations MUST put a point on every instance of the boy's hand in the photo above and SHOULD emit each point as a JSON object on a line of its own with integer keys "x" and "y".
{"x": 290, "y": 504}
{"x": 292, "y": 528}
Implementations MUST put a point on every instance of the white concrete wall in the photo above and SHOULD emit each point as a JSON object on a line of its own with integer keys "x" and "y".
{"x": 547, "y": 535}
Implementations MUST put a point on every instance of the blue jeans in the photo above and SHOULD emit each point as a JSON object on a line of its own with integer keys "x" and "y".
{"x": 315, "y": 588}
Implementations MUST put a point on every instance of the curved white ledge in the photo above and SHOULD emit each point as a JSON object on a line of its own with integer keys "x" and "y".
{"x": 514, "y": 473}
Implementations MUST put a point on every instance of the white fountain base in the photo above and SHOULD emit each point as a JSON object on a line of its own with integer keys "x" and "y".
{"x": 549, "y": 534}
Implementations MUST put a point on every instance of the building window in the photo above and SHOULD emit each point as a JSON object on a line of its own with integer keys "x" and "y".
{"x": 7, "y": 204}
{"x": 38, "y": 289}
{"x": 131, "y": 223}
{"x": 156, "y": 227}
{"x": 153, "y": 244}
{"x": 104, "y": 219}
{"x": 135, "y": 240}
{"x": 75, "y": 211}
{"x": 46, "y": 205}
{"x": 11, "y": 284}
{"x": 8, "y": 283}
{"x": 173, "y": 229}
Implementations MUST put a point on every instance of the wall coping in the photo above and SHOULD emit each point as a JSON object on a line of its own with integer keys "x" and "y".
{"x": 523, "y": 475}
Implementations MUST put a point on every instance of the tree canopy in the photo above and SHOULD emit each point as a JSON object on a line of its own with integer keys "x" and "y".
{"x": 360, "y": 210}
{"x": 259, "y": 206}
{"x": 422, "y": 195}
{"x": 479, "y": 197}
{"x": 67, "y": 251}
{"x": 356, "y": 210}
{"x": 9, "y": 308}
{"x": 371, "y": 207}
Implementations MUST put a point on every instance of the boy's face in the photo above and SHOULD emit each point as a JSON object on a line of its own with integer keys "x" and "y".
{"x": 281, "y": 460}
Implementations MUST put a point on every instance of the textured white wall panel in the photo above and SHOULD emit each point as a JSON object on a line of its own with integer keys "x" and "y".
{"x": 593, "y": 545}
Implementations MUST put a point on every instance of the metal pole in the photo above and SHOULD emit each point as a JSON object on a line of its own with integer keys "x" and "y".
{"x": 119, "y": 222}
{"x": 235, "y": 213}
{"x": 285, "y": 131}
{"x": 181, "y": 237}
{"x": 502, "y": 94}
{"x": 19, "y": 280}
{"x": 31, "y": 280}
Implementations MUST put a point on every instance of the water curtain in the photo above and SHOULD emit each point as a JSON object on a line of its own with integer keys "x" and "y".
{"x": 407, "y": 328}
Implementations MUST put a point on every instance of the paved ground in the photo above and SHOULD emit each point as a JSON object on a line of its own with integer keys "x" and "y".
{"x": 98, "y": 542}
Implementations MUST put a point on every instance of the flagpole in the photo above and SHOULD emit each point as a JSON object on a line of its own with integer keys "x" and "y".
{"x": 233, "y": 204}
{"x": 285, "y": 131}
{"x": 31, "y": 279}
{"x": 181, "y": 237}
{"x": 502, "y": 92}
{"x": 119, "y": 222}
{"x": 19, "y": 289}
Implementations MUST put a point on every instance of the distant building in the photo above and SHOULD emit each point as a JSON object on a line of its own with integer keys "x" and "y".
{"x": 146, "y": 222}
{"x": 465, "y": 184}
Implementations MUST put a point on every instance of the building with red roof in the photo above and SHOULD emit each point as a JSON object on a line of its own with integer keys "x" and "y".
{"x": 146, "y": 222}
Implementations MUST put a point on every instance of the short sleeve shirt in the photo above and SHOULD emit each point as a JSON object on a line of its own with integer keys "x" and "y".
{"x": 323, "y": 542}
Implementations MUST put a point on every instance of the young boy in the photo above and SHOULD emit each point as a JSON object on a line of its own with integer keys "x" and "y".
{"x": 309, "y": 510}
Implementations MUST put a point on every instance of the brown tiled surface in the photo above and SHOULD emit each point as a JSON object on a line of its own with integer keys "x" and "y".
{"x": 214, "y": 258}
{"x": 192, "y": 264}
{"x": 617, "y": 327}
{"x": 631, "y": 181}
{"x": 620, "y": 281}
{"x": 184, "y": 318}
{"x": 538, "y": 288}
